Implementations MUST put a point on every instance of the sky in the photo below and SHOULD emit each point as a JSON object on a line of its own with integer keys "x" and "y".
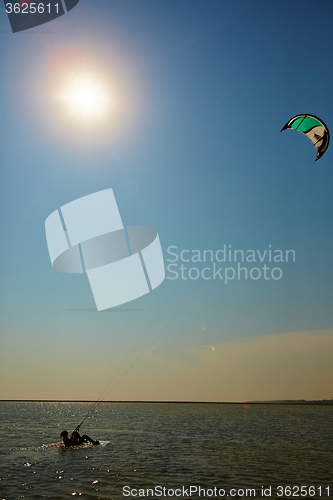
{"x": 188, "y": 137}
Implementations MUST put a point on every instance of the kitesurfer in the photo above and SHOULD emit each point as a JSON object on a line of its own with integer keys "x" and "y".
{"x": 76, "y": 439}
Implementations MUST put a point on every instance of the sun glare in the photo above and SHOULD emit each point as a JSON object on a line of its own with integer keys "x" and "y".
{"x": 85, "y": 94}
{"x": 85, "y": 99}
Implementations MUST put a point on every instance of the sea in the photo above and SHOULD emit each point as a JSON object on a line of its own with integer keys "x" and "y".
{"x": 167, "y": 450}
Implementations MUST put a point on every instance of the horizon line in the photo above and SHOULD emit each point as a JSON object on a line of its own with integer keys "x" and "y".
{"x": 272, "y": 402}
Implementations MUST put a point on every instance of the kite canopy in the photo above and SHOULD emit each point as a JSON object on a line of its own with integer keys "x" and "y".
{"x": 314, "y": 128}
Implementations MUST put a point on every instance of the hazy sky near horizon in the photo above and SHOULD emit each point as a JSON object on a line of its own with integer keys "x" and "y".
{"x": 191, "y": 145}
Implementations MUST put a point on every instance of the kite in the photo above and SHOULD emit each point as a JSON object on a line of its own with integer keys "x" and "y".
{"x": 314, "y": 128}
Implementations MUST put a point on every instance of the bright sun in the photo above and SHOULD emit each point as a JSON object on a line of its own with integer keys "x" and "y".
{"x": 86, "y": 99}
{"x": 84, "y": 92}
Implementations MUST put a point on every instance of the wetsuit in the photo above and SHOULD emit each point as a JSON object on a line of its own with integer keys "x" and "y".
{"x": 76, "y": 439}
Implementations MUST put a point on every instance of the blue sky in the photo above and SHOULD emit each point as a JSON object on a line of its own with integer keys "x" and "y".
{"x": 195, "y": 151}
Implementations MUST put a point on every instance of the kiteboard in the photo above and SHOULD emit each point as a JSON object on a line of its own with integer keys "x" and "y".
{"x": 103, "y": 443}
{"x": 60, "y": 444}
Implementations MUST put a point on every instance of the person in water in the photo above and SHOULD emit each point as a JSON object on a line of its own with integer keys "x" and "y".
{"x": 76, "y": 439}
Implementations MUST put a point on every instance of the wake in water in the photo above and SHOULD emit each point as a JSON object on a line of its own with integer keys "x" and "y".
{"x": 60, "y": 444}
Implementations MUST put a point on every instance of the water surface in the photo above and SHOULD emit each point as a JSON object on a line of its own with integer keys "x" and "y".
{"x": 170, "y": 445}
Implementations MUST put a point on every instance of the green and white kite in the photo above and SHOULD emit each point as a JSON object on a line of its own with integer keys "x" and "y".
{"x": 314, "y": 128}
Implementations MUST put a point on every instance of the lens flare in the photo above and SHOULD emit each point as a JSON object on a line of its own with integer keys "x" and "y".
{"x": 85, "y": 98}
{"x": 80, "y": 88}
